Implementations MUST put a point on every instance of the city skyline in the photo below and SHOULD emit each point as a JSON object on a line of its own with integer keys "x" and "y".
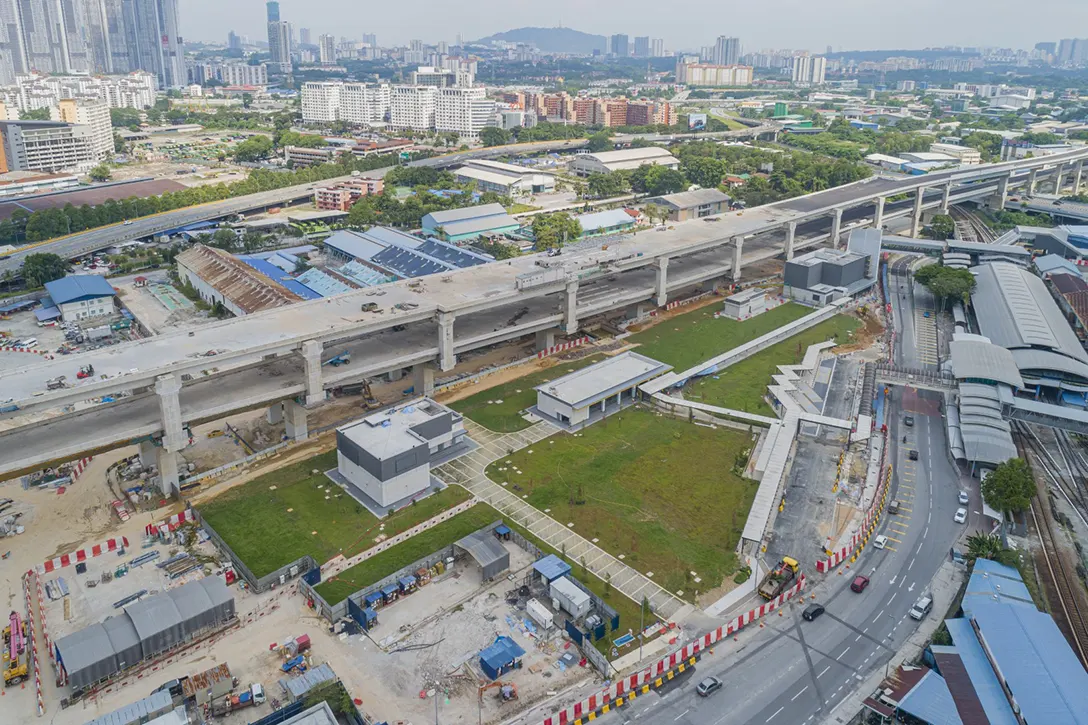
{"x": 812, "y": 26}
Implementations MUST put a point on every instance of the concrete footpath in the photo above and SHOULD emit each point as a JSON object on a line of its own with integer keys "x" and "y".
{"x": 470, "y": 472}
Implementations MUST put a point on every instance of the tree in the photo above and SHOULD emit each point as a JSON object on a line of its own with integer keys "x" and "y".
{"x": 253, "y": 149}
{"x": 604, "y": 186}
{"x": 599, "y": 142}
{"x": 37, "y": 114}
{"x": 654, "y": 212}
{"x": 942, "y": 227}
{"x": 124, "y": 117}
{"x": 99, "y": 173}
{"x": 706, "y": 172}
{"x": 1010, "y": 486}
{"x": 494, "y": 136}
{"x": 553, "y": 230}
{"x": 43, "y": 267}
{"x": 984, "y": 546}
{"x": 946, "y": 284}
{"x": 663, "y": 180}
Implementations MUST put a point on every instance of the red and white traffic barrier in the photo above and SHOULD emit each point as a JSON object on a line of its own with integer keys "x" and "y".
{"x": 632, "y": 683}
{"x": 35, "y": 663}
{"x": 79, "y": 467}
{"x": 83, "y": 554}
{"x": 563, "y": 346}
{"x": 35, "y": 351}
{"x": 825, "y": 565}
{"x": 41, "y": 618}
{"x": 170, "y": 524}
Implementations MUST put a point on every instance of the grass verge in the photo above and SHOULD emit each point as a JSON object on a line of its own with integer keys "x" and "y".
{"x": 499, "y": 408}
{"x": 285, "y": 514}
{"x": 660, "y": 491}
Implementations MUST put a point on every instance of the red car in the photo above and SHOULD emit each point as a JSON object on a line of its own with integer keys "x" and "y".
{"x": 859, "y": 584}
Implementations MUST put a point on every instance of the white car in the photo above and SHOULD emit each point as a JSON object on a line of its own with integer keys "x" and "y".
{"x": 880, "y": 542}
{"x": 963, "y": 498}
{"x": 961, "y": 516}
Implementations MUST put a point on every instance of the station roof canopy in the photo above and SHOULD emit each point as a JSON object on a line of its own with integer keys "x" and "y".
{"x": 980, "y": 359}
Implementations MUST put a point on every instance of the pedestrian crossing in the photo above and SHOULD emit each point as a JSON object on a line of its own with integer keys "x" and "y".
{"x": 925, "y": 333}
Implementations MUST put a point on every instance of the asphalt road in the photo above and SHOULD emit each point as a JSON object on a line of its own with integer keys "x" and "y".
{"x": 793, "y": 671}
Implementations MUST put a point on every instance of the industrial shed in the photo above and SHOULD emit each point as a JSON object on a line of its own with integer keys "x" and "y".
{"x": 491, "y": 555}
{"x": 143, "y": 630}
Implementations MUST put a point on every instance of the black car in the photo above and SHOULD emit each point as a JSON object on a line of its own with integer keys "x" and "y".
{"x": 812, "y": 611}
{"x": 909, "y": 420}
{"x": 914, "y": 455}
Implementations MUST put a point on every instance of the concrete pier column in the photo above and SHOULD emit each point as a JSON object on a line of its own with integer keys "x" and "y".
{"x": 274, "y": 414}
{"x": 738, "y": 250}
{"x": 878, "y": 215}
{"x": 946, "y": 197}
{"x": 662, "y": 282}
{"x": 311, "y": 353}
{"x": 148, "y": 454}
{"x": 545, "y": 339}
{"x": 423, "y": 379}
{"x": 1033, "y": 177}
{"x": 791, "y": 236}
{"x": 167, "y": 463}
{"x": 167, "y": 387}
{"x": 997, "y": 201}
{"x": 294, "y": 420}
{"x": 836, "y": 227}
{"x": 1078, "y": 173}
{"x": 446, "y": 359}
{"x": 916, "y": 215}
{"x": 570, "y": 309}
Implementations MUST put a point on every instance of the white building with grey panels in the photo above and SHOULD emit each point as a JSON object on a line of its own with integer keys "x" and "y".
{"x": 597, "y": 390}
{"x": 387, "y": 456}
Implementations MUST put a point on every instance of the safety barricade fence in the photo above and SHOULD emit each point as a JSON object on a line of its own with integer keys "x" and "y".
{"x": 625, "y": 689}
{"x": 564, "y": 346}
{"x": 83, "y": 554}
{"x": 869, "y": 523}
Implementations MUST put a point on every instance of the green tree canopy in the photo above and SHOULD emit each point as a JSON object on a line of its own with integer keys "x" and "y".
{"x": 99, "y": 173}
{"x": 600, "y": 142}
{"x": 494, "y": 136}
{"x": 603, "y": 186}
{"x": 553, "y": 230}
{"x": 124, "y": 117}
{"x": 253, "y": 149}
{"x": 942, "y": 227}
{"x": 43, "y": 267}
{"x": 37, "y": 114}
{"x": 946, "y": 284}
{"x": 1010, "y": 486}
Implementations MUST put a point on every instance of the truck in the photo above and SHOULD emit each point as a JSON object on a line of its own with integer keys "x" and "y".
{"x": 56, "y": 383}
{"x": 779, "y": 578}
{"x": 342, "y": 359}
{"x": 15, "y": 651}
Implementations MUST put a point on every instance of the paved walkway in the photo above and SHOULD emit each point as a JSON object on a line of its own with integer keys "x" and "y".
{"x": 469, "y": 471}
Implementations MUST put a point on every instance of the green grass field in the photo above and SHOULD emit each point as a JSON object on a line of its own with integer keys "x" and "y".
{"x": 660, "y": 491}
{"x": 742, "y": 386}
{"x": 691, "y": 338}
{"x": 516, "y": 396}
{"x": 270, "y": 527}
{"x": 376, "y": 568}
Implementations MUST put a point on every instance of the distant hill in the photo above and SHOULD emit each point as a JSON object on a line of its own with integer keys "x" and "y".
{"x": 552, "y": 40}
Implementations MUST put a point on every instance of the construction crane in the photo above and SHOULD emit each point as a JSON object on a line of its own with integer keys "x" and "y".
{"x": 15, "y": 654}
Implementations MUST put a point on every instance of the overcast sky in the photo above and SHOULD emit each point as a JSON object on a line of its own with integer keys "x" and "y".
{"x": 797, "y": 24}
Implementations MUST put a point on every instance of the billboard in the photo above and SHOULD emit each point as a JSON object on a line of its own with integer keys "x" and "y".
{"x": 696, "y": 121}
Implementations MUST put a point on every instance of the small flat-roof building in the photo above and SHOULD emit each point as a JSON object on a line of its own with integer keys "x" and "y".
{"x": 692, "y": 204}
{"x": 584, "y": 396}
{"x": 81, "y": 296}
{"x": 385, "y": 458}
{"x": 506, "y": 179}
{"x": 824, "y": 275}
{"x": 604, "y": 162}
{"x": 610, "y": 221}
{"x": 749, "y": 303}
{"x": 458, "y": 225}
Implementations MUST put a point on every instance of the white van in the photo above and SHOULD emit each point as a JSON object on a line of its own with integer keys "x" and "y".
{"x": 30, "y": 342}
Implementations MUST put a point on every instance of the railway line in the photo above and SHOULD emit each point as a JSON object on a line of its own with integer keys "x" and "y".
{"x": 1064, "y": 586}
{"x": 969, "y": 228}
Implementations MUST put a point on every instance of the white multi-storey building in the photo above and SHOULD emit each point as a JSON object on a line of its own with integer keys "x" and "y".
{"x": 413, "y": 107}
{"x": 321, "y": 100}
{"x": 135, "y": 90}
{"x": 327, "y": 49}
{"x": 324, "y": 101}
{"x": 92, "y": 113}
{"x": 465, "y": 111}
{"x": 808, "y": 70}
{"x": 706, "y": 74}
{"x": 241, "y": 74}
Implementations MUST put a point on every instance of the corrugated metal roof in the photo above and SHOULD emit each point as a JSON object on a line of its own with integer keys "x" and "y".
{"x": 296, "y": 687}
{"x": 633, "y": 154}
{"x": 353, "y": 244}
{"x": 551, "y": 567}
{"x": 502, "y": 652}
{"x": 137, "y": 712}
{"x": 453, "y": 255}
{"x": 1068, "y": 283}
{"x": 483, "y": 547}
{"x": 691, "y": 199}
{"x": 1047, "y": 679}
{"x": 959, "y": 685}
{"x": 275, "y": 272}
{"x": 322, "y": 283}
{"x": 985, "y": 683}
{"x": 364, "y": 275}
{"x": 477, "y": 225}
{"x": 974, "y": 359}
{"x": 76, "y": 287}
{"x": 604, "y": 220}
{"x": 995, "y": 582}
{"x": 236, "y": 280}
{"x": 1047, "y": 361}
{"x": 442, "y": 218}
{"x": 931, "y": 701}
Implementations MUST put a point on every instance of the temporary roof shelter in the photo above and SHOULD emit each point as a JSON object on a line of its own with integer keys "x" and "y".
{"x": 502, "y": 656}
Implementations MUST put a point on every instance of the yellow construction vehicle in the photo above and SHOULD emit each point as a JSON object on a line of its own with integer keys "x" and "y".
{"x": 16, "y": 658}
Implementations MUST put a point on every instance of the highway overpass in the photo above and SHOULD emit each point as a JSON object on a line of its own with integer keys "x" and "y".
{"x": 170, "y": 381}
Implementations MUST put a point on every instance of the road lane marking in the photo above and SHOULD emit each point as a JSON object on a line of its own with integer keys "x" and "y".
{"x": 926, "y": 532}
{"x": 892, "y": 538}
{"x": 843, "y": 653}
{"x": 891, "y": 598}
{"x": 857, "y": 638}
{"x": 799, "y": 693}
{"x": 911, "y": 563}
{"x": 776, "y": 713}
{"x": 878, "y": 615}
{"x": 824, "y": 672}
{"x": 919, "y": 549}
{"x": 891, "y": 548}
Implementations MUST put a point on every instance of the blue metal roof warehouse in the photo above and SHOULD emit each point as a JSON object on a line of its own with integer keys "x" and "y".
{"x": 79, "y": 287}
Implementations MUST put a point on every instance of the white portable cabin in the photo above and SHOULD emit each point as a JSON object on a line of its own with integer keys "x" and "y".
{"x": 539, "y": 614}
{"x": 571, "y": 599}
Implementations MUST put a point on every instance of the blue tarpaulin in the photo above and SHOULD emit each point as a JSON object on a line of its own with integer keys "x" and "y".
{"x": 500, "y": 657}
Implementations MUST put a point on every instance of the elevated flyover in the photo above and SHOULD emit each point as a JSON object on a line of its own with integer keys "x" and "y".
{"x": 426, "y": 323}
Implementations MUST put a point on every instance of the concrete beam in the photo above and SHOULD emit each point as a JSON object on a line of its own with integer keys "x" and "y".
{"x": 916, "y": 215}
{"x": 294, "y": 421}
{"x": 311, "y": 354}
{"x": 274, "y": 414}
{"x": 446, "y": 359}
{"x": 661, "y": 272}
{"x": 878, "y": 215}
{"x": 168, "y": 387}
{"x": 791, "y": 235}
{"x": 167, "y": 463}
{"x": 423, "y": 379}
{"x": 570, "y": 309}
{"x": 738, "y": 250}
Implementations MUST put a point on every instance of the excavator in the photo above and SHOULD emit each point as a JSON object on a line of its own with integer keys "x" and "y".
{"x": 508, "y": 691}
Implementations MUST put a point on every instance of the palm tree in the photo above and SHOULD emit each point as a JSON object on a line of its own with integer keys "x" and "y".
{"x": 984, "y": 546}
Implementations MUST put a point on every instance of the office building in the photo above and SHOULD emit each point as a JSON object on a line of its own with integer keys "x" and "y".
{"x": 304, "y": 37}
{"x": 726, "y": 51}
{"x": 713, "y": 76}
{"x": 442, "y": 77}
{"x": 234, "y": 41}
{"x": 642, "y": 47}
{"x": 657, "y": 48}
{"x": 619, "y": 45}
{"x": 273, "y": 11}
{"x": 350, "y": 102}
{"x": 808, "y": 70}
{"x": 465, "y": 111}
{"x": 50, "y": 146}
{"x": 327, "y": 49}
{"x": 279, "y": 46}
{"x": 1073, "y": 51}
{"x": 156, "y": 41}
{"x": 412, "y": 107}
{"x": 94, "y": 114}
